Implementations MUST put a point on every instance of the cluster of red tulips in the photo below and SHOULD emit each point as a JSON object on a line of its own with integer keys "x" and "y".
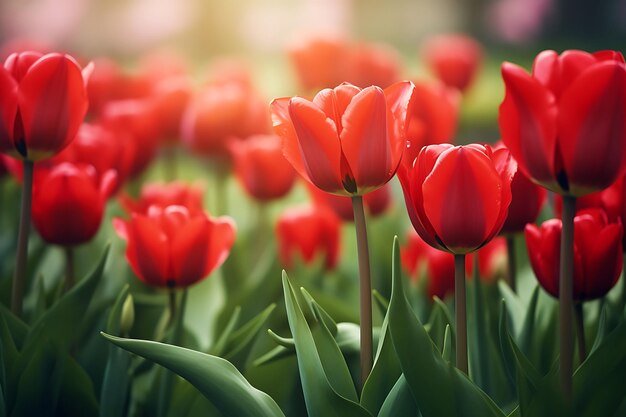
{"x": 82, "y": 138}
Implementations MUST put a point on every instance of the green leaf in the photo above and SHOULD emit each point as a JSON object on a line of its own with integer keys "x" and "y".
{"x": 114, "y": 392}
{"x": 381, "y": 302}
{"x": 528, "y": 327}
{"x": 400, "y": 401}
{"x": 218, "y": 380}
{"x": 599, "y": 387}
{"x": 218, "y": 348}
{"x": 319, "y": 313}
{"x": 514, "y": 306}
{"x": 15, "y": 326}
{"x": 322, "y": 400}
{"x": 446, "y": 353}
{"x": 602, "y": 330}
{"x": 61, "y": 321}
{"x": 240, "y": 343}
{"x": 439, "y": 319}
{"x": 439, "y": 388}
{"x": 385, "y": 372}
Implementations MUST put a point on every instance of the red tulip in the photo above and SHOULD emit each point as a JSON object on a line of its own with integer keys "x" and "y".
{"x": 261, "y": 167}
{"x": 371, "y": 64}
{"x": 375, "y": 203}
{"x": 455, "y": 59}
{"x": 458, "y": 197}
{"x": 307, "y": 232}
{"x": 347, "y": 141}
{"x": 432, "y": 119}
{"x": 418, "y": 257}
{"x": 170, "y": 98}
{"x": 221, "y": 113}
{"x": 175, "y": 193}
{"x": 42, "y": 104}
{"x": 565, "y": 123}
{"x": 173, "y": 247}
{"x": 317, "y": 62}
{"x": 597, "y": 254}
{"x": 69, "y": 202}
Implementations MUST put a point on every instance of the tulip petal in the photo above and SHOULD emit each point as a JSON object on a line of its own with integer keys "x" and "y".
{"x": 283, "y": 127}
{"x": 189, "y": 249}
{"x": 318, "y": 144}
{"x": 8, "y": 111}
{"x": 543, "y": 245}
{"x": 559, "y": 72}
{"x": 592, "y": 127}
{"x": 53, "y": 102}
{"x": 222, "y": 238}
{"x": 527, "y": 122}
{"x": 506, "y": 168}
{"x": 334, "y": 102}
{"x": 147, "y": 251}
{"x": 462, "y": 198}
{"x": 365, "y": 140}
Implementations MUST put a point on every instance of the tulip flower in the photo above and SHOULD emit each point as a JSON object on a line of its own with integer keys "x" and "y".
{"x": 170, "y": 97}
{"x": 454, "y": 58}
{"x": 565, "y": 125}
{"x": 308, "y": 232}
{"x": 261, "y": 167}
{"x": 348, "y": 141}
{"x": 317, "y": 61}
{"x": 175, "y": 193}
{"x": 432, "y": 119}
{"x": 457, "y": 199}
{"x": 597, "y": 257}
{"x": 173, "y": 247}
{"x": 42, "y": 103}
{"x": 371, "y": 64}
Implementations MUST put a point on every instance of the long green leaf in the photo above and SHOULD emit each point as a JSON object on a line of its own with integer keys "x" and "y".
{"x": 400, "y": 401}
{"x": 438, "y": 388}
{"x": 321, "y": 398}
{"x": 218, "y": 380}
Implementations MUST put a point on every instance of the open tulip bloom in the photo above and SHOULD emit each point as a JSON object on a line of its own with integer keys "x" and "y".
{"x": 348, "y": 141}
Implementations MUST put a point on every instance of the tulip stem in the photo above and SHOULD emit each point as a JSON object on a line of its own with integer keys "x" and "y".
{"x": 70, "y": 276}
{"x": 566, "y": 291}
{"x": 365, "y": 288}
{"x": 170, "y": 163}
{"x": 19, "y": 279}
{"x": 460, "y": 312}
{"x": 580, "y": 331}
{"x": 511, "y": 277}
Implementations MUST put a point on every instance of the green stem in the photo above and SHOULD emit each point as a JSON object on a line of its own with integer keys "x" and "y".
{"x": 566, "y": 291}
{"x": 70, "y": 275}
{"x": 460, "y": 312}
{"x": 580, "y": 331}
{"x": 19, "y": 279}
{"x": 511, "y": 277}
{"x": 170, "y": 165}
{"x": 365, "y": 288}
{"x": 167, "y": 378}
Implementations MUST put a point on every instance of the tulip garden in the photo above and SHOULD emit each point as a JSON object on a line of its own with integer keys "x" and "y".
{"x": 181, "y": 247}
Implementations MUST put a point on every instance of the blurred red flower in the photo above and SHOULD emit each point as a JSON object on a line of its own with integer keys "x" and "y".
{"x": 173, "y": 247}
{"x": 42, "y": 103}
{"x": 69, "y": 202}
{"x": 308, "y": 232}
{"x": 175, "y": 193}
{"x": 454, "y": 58}
{"x": 597, "y": 254}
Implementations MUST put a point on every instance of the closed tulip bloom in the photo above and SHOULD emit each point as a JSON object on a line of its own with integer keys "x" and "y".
{"x": 42, "y": 103}
{"x": 458, "y": 197}
{"x": 433, "y": 117}
{"x": 372, "y": 64}
{"x": 454, "y": 58}
{"x": 170, "y": 98}
{"x": 565, "y": 122}
{"x": 69, "y": 202}
{"x": 375, "y": 203}
{"x": 221, "y": 113}
{"x": 308, "y": 232}
{"x": 174, "y": 248}
{"x": 261, "y": 167}
{"x": 597, "y": 254}
{"x": 347, "y": 141}
{"x": 317, "y": 61}
{"x": 175, "y": 193}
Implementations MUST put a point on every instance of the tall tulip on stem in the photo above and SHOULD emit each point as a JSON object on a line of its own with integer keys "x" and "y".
{"x": 457, "y": 199}
{"x": 564, "y": 124}
{"x": 348, "y": 141}
{"x": 42, "y": 104}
